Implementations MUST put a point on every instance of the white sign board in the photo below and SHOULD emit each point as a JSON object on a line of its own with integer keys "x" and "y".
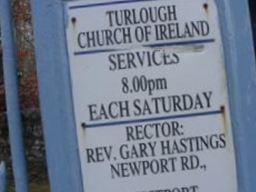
{"x": 150, "y": 96}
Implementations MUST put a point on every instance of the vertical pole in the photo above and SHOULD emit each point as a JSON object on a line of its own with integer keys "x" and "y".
{"x": 63, "y": 161}
{"x": 2, "y": 177}
{"x": 12, "y": 99}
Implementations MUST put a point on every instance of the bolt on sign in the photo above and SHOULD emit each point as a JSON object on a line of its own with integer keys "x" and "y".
{"x": 150, "y": 96}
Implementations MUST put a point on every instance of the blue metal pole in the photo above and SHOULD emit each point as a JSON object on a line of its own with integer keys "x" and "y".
{"x": 2, "y": 177}
{"x": 12, "y": 99}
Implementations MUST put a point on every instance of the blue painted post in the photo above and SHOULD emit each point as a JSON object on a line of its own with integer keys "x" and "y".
{"x": 12, "y": 100}
{"x": 2, "y": 177}
{"x": 241, "y": 73}
{"x": 55, "y": 96}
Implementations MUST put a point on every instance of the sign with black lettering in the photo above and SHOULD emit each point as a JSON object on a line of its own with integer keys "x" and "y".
{"x": 150, "y": 96}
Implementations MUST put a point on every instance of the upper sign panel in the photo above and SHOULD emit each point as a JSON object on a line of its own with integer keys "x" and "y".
{"x": 150, "y": 96}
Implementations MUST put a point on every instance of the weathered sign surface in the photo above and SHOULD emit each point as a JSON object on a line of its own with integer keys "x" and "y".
{"x": 150, "y": 96}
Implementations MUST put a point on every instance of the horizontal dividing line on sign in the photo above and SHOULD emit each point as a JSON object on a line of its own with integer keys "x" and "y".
{"x": 107, "y": 4}
{"x": 135, "y": 121}
{"x": 178, "y": 43}
{"x": 156, "y": 45}
{"x": 96, "y": 51}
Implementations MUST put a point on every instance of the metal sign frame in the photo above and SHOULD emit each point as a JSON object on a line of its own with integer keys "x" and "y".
{"x": 49, "y": 19}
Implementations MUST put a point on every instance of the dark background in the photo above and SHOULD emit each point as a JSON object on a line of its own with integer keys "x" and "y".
{"x": 253, "y": 17}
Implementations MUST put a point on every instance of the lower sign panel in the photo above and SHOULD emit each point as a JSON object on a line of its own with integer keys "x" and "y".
{"x": 150, "y": 96}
